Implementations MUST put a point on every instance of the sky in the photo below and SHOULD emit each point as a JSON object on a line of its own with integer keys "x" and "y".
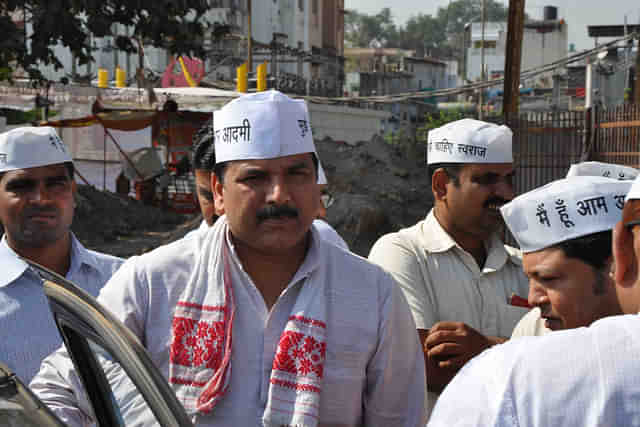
{"x": 577, "y": 13}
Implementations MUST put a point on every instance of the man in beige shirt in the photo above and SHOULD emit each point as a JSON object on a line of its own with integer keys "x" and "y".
{"x": 456, "y": 273}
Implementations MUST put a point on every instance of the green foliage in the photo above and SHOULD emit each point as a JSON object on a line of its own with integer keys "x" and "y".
{"x": 396, "y": 139}
{"x": 178, "y": 26}
{"x": 437, "y": 119}
{"x": 362, "y": 29}
{"x": 443, "y": 33}
{"x": 17, "y": 117}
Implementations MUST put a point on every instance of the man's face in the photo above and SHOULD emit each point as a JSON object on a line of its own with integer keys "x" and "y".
{"x": 36, "y": 205}
{"x": 473, "y": 206}
{"x": 565, "y": 289}
{"x": 270, "y": 204}
{"x": 205, "y": 195}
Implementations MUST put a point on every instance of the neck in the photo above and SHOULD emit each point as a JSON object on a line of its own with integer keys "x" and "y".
{"x": 55, "y": 257}
{"x": 271, "y": 272}
{"x": 470, "y": 243}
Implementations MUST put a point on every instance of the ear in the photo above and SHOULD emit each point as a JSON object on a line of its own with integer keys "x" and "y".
{"x": 218, "y": 200}
{"x": 625, "y": 264}
{"x": 439, "y": 182}
{"x": 74, "y": 190}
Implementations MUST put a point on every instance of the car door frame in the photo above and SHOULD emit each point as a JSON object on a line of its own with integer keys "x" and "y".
{"x": 79, "y": 317}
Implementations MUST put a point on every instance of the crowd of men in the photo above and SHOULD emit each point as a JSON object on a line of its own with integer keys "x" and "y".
{"x": 423, "y": 331}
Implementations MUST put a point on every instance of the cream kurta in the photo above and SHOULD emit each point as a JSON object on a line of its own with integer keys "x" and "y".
{"x": 532, "y": 324}
{"x": 442, "y": 282}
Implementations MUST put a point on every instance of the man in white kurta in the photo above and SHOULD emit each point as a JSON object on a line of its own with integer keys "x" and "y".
{"x": 333, "y": 346}
{"x": 587, "y": 376}
{"x": 456, "y": 273}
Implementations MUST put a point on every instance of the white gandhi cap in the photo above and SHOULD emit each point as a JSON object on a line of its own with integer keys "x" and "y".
{"x": 564, "y": 210}
{"x": 469, "y": 141}
{"x": 264, "y": 125}
{"x": 608, "y": 170}
{"x": 634, "y": 192}
{"x": 31, "y": 147}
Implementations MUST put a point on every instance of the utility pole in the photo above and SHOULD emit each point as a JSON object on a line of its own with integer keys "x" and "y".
{"x": 249, "y": 43}
{"x": 636, "y": 97}
{"x": 482, "y": 75}
{"x": 515, "y": 29}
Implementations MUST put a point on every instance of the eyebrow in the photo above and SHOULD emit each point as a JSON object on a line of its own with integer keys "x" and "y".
{"x": 301, "y": 165}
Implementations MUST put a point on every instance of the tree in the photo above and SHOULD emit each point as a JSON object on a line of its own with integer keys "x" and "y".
{"x": 177, "y": 25}
{"x": 361, "y": 30}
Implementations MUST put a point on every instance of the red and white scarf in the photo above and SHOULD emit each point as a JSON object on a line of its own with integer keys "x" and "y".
{"x": 200, "y": 354}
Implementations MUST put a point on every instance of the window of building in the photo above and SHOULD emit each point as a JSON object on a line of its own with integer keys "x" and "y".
{"x": 301, "y": 5}
{"x": 314, "y": 6}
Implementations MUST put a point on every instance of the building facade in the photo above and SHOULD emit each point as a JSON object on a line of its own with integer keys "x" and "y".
{"x": 543, "y": 42}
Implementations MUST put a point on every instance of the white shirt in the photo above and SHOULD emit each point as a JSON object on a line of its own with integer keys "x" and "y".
{"x": 584, "y": 377}
{"x": 374, "y": 367}
{"x": 532, "y": 324}
{"x": 27, "y": 330}
{"x": 328, "y": 233}
{"x": 442, "y": 282}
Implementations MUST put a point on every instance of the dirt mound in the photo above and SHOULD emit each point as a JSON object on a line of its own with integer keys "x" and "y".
{"x": 122, "y": 226}
{"x": 377, "y": 189}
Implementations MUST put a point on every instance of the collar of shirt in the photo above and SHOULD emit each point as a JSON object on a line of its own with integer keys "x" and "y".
{"x": 435, "y": 239}
{"x": 14, "y": 266}
{"x": 312, "y": 260}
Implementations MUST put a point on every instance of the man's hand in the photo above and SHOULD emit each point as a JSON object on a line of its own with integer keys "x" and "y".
{"x": 447, "y": 347}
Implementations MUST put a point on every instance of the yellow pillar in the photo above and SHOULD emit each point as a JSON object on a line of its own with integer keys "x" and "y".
{"x": 262, "y": 77}
{"x": 103, "y": 77}
{"x": 120, "y": 77}
{"x": 241, "y": 78}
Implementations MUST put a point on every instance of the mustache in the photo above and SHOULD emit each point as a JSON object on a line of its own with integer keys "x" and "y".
{"x": 32, "y": 211}
{"x": 276, "y": 212}
{"x": 495, "y": 201}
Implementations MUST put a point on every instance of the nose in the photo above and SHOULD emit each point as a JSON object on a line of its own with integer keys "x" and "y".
{"x": 39, "y": 193}
{"x": 537, "y": 294}
{"x": 278, "y": 192}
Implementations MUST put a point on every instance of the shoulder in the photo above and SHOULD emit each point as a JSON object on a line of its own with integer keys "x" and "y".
{"x": 346, "y": 266}
{"x": 176, "y": 254}
{"x": 328, "y": 233}
{"x": 406, "y": 238}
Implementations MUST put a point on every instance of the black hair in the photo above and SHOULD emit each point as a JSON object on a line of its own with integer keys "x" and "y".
{"x": 219, "y": 168}
{"x": 203, "y": 148}
{"x": 451, "y": 169}
{"x": 592, "y": 249}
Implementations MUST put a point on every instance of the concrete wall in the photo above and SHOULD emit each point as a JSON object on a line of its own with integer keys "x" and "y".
{"x": 345, "y": 123}
{"x": 540, "y": 48}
